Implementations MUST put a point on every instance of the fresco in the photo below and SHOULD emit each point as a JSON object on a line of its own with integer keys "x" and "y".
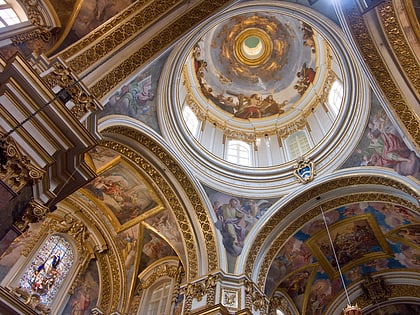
{"x": 382, "y": 145}
{"x": 164, "y": 223}
{"x": 268, "y": 87}
{"x": 128, "y": 244}
{"x": 373, "y": 232}
{"x": 121, "y": 189}
{"x": 356, "y": 238}
{"x": 235, "y": 218}
{"x": 154, "y": 248}
{"x": 137, "y": 98}
{"x": 92, "y": 14}
{"x": 12, "y": 253}
{"x": 101, "y": 157}
{"x": 86, "y": 293}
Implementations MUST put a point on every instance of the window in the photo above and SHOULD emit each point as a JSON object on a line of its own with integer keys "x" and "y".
{"x": 335, "y": 97}
{"x": 297, "y": 144}
{"x": 238, "y": 152}
{"x": 191, "y": 120}
{"x": 11, "y": 13}
{"x": 48, "y": 269}
{"x": 158, "y": 298}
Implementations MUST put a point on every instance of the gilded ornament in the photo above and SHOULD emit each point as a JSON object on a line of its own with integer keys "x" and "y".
{"x": 383, "y": 78}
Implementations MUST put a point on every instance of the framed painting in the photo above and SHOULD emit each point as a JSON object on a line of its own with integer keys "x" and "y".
{"x": 125, "y": 194}
{"x": 355, "y": 240}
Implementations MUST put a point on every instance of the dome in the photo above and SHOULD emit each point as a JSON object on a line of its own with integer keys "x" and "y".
{"x": 259, "y": 88}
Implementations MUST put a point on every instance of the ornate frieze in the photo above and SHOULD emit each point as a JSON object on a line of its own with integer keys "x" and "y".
{"x": 393, "y": 291}
{"x": 153, "y": 11}
{"x": 42, "y": 30}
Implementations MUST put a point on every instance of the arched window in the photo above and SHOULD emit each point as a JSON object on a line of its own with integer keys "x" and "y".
{"x": 48, "y": 269}
{"x": 297, "y": 144}
{"x": 158, "y": 298}
{"x": 11, "y": 13}
{"x": 335, "y": 97}
{"x": 191, "y": 120}
{"x": 238, "y": 152}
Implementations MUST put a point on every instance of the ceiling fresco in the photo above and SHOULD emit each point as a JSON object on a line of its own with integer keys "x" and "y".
{"x": 257, "y": 65}
{"x": 371, "y": 237}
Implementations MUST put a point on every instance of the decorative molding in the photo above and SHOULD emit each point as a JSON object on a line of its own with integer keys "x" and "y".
{"x": 197, "y": 290}
{"x": 398, "y": 42}
{"x": 118, "y": 33}
{"x": 17, "y": 170}
{"x": 83, "y": 101}
{"x": 73, "y": 227}
{"x": 173, "y": 166}
{"x": 254, "y": 299}
{"x": 158, "y": 43}
{"x": 160, "y": 271}
{"x": 36, "y": 17}
{"x": 375, "y": 290}
{"x": 393, "y": 291}
{"x": 379, "y": 70}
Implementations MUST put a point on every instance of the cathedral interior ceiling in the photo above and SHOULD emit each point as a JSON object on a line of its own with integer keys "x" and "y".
{"x": 373, "y": 219}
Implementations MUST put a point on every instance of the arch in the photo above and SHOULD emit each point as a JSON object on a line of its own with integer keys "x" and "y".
{"x": 129, "y": 138}
{"x": 342, "y": 187}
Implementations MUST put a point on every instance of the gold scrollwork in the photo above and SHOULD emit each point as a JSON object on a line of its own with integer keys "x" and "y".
{"x": 18, "y": 171}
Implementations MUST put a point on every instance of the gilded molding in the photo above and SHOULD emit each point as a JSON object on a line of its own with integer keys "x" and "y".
{"x": 158, "y": 272}
{"x": 102, "y": 30}
{"x": 106, "y": 280}
{"x": 254, "y": 298}
{"x": 34, "y": 13}
{"x": 63, "y": 77}
{"x": 394, "y": 291}
{"x": 310, "y": 195}
{"x": 17, "y": 171}
{"x": 35, "y": 212}
{"x": 117, "y": 37}
{"x": 197, "y": 290}
{"x": 399, "y": 44}
{"x": 171, "y": 196}
{"x": 379, "y": 70}
{"x": 73, "y": 227}
{"x": 156, "y": 44}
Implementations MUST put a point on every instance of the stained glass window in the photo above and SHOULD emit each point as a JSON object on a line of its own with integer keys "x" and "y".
{"x": 48, "y": 269}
